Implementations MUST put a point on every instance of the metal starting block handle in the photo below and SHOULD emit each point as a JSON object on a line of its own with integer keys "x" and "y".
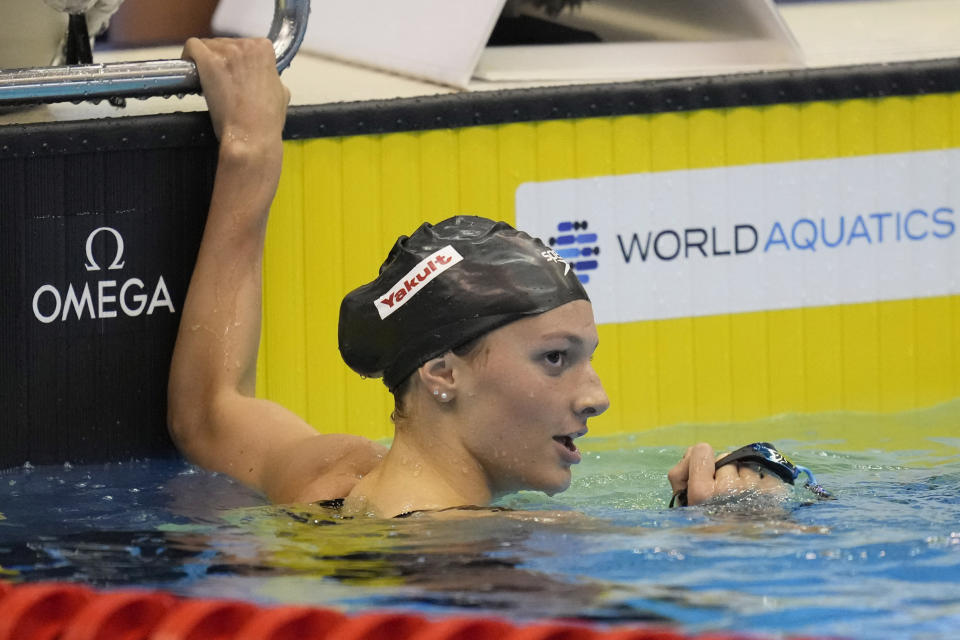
{"x": 140, "y": 79}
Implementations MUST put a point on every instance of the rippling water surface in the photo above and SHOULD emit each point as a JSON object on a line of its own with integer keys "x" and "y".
{"x": 882, "y": 561}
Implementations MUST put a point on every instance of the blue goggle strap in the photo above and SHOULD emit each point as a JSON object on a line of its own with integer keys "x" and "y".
{"x": 813, "y": 485}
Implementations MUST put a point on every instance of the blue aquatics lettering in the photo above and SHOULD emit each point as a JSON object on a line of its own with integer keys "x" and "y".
{"x": 800, "y": 234}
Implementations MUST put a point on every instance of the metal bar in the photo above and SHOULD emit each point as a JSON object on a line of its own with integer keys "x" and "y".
{"x": 140, "y": 79}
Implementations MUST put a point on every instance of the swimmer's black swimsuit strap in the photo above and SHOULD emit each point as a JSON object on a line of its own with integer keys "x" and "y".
{"x": 337, "y": 504}
{"x": 465, "y": 507}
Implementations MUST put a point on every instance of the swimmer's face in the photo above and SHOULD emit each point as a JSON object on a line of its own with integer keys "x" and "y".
{"x": 527, "y": 393}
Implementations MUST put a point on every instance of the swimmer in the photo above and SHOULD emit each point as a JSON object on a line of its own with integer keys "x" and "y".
{"x": 483, "y": 335}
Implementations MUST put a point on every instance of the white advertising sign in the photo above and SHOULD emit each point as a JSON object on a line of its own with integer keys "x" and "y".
{"x": 758, "y": 237}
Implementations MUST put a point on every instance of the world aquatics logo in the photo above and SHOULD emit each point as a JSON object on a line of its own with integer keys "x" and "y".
{"x": 578, "y": 246}
{"x": 741, "y": 239}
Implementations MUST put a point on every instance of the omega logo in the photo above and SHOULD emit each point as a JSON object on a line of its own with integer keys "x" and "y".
{"x": 101, "y": 299}
{"x": 91, "y": 264}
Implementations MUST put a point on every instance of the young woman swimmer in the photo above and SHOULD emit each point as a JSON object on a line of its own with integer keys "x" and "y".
{"x": 483, "y": 335}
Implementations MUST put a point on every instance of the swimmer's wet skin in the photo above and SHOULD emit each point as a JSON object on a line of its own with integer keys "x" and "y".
{"x": 767, "y": 457}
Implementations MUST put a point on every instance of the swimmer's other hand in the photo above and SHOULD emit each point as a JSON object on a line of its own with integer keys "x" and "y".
{"x": 697, "y": 477}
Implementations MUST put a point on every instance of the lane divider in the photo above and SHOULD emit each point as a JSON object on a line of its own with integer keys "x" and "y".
{"x": 64, "y": 611}
{"x": 40, "y": 611}
{"x": 120, "y": 614}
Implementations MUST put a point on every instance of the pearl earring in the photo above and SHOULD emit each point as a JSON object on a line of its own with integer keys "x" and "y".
{"x": 444, "y": 397}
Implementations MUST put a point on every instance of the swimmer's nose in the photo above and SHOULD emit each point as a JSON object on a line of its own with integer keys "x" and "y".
{"x": 592, "y": 399}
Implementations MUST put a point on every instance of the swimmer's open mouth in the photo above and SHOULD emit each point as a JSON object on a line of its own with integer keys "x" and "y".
{"x": 566, "y": 441}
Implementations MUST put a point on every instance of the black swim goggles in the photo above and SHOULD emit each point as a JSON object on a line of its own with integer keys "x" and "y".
{"x": 766, "y": 456}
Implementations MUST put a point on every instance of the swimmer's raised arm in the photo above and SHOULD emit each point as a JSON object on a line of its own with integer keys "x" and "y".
{"x": 213, "y": 416}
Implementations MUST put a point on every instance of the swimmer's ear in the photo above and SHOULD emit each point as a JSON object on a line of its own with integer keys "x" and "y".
{"x": 436, "y": 374}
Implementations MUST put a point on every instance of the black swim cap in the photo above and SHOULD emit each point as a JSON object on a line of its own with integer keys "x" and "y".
{"x": 445, "y": 285}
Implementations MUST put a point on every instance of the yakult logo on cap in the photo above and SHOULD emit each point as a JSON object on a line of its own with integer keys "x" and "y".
{"x": 408, "y": 286}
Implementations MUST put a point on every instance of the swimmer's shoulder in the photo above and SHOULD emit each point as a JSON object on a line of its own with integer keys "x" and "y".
{"x": 325, "y": 467}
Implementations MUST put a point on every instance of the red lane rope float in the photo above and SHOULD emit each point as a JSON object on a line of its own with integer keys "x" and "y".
{"x": 204, "y": 620}
{"x": 381, "y": 626}
{"x": 547, "y": 631}
{"x": 120, "y": 615}
{"x": 646, "y": 634}
{"x": 291, "y": 623}
{"x": 466, "y": 629}
{"x": 40, "y": 611}
{"x": 57, "y": 611}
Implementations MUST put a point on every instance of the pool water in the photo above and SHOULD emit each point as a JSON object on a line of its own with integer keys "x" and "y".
{"x": 881, "y": 561}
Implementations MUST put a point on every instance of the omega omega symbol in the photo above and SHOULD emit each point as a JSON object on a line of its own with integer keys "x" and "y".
{"x": 571, "y": 242}
{"x": 100, "y": 299}
{"x": 91, "y": 264}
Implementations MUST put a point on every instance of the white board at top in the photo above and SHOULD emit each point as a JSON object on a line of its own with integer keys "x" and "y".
{"x": 436, "y": 40}
{"x": 446, "y": 41}
{"x": 644, "y": 39}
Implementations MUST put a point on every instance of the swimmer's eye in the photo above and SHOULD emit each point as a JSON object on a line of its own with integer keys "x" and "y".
{"x": 555, "y": 358}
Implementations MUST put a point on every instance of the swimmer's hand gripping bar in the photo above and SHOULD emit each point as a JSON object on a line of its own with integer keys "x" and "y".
{"x": 140, "y": 79}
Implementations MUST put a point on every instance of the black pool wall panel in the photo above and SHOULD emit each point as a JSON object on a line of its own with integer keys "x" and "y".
{"x": 100, "y": 222}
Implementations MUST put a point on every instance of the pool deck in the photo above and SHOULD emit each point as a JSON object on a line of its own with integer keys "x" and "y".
{"x": 830, "y": 34}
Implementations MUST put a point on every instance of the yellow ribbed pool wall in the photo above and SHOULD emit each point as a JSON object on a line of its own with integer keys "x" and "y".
{"x": 343, "y": 201}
